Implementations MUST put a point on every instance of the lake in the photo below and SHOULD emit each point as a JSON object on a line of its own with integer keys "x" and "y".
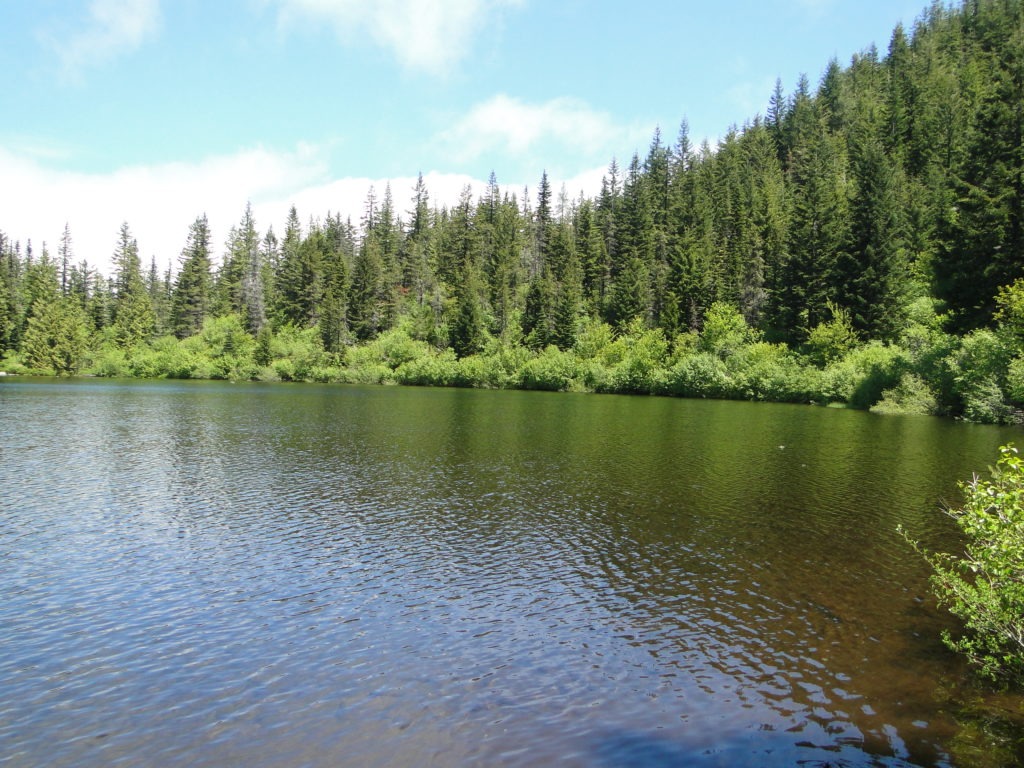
{"x": 214, "y": 574}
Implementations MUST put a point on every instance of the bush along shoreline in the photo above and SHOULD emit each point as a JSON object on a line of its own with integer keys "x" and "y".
{"x": 984, "y": 586}
{"x": 977, "y": 377}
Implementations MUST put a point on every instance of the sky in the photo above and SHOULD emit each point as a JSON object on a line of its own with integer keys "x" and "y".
{"x": 153, "y": 112}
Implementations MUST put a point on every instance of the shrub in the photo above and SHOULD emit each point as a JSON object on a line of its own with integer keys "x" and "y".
{"x": 367, "y": 373}
{"x": 764, "y": 371}
{"x": 440, "y": 370}
{"x": 725, "y": 331}
{"x": 640, "y": 368}
{"x": 552, "y": 369}
{"x": 504, "y": 361}
{"x": 11, "y": 363}
{"x": 978, "y": 370}
{"x": 828, "y": 342}
{"x": 863, "y": 374}
{"x": 985, "y": 586}
{"x": 109, "y": 361}
{"x": 911, "y": 397}
{"x": 593, "y": 339}
{"x": 1015, "y": 379}
{"x": 700, "y": 375}
{"x": 392, "y": 348}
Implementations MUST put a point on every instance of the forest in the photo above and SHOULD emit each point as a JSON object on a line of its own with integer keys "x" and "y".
{"x": 862, "y": 243}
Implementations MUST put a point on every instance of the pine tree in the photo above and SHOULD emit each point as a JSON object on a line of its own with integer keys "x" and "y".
{"x": 467, "y": 329}
{"x": 630, "y": 297}
{"x": 983, "y": 239}
{"x": 191, "y": 300}
{"x": 334, "y": 306}
{"x": 568, "y": 304}
{"x": 159, "y": 290}
{"x": 870, "y": 276}
{"x": 365, "y": 313}
{"x": 134, "y": 319}
{"x": 538, "y": 314}
{"x": 65, "y": 256}
{"x": 56, "y": 337}
{"x": 818, "y": 235}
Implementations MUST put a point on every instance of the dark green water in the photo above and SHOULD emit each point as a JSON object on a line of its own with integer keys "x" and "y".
{"x": 226, "y": 574}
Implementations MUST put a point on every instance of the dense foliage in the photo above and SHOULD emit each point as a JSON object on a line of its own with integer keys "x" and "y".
{"x": 985, "y": 586}
{"x": 863, "y": 243}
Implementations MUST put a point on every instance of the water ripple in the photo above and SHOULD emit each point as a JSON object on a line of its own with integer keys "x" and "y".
{"x": 379, "y": 578}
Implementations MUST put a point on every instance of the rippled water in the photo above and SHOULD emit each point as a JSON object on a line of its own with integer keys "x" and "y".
{"x": 217, "y": 574}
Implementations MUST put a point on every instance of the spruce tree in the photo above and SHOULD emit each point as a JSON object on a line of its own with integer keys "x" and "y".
{"x": 191, "y": 299}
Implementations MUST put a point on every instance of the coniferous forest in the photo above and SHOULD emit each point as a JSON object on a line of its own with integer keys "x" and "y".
{"x": 861, "y": 243}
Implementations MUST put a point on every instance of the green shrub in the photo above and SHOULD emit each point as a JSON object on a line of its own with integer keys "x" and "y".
{"x": 911, "y": 397}
{"x": 640, "y": 367}
{"x": 435, "y": 370}
{"x": 985, "y": 586}
{"x": 1015, "y": 379}
{"x": 284, "y": 369}
{"x": 699, "y": 375}
{"x": 863, "y": 374}
{"x": 725, "y": 331}
{"x": 828, "y": 342}
{"x": 978, "y": 368}
{"x": 552, "y": 369}
{"x": 763, "y": 371}
{"x": 367, "y": 373}
{"x": 109, "y": 361}
{"x": 504, "y": 362}
{"x": 11, "y": 363}
{"x": 392, "y": 348}
{"x": 296, "y": 343}
{"x": 593, "y": 339}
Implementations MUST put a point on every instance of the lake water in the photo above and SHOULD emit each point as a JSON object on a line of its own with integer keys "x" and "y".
{"x": 213, "y": 574}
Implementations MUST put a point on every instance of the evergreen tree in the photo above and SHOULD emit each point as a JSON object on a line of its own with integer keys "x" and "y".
{"x": 56, "y": 337}
{"x": 870, "y": 275}
{"x": 40, "y": 287}
{"x": 65, "y": 256}
{"x": 134, "y": 319}
{"x": 467, "y": 329}
{"x": 538, "y": 314}
{"x": 365, "y": 313}
{"x": 158, "y": 287}
{"x": 818, "y": 235}
{"x": 191, "y": 300}
{"x": 568, "y": 305}
{"x": 983, "y": 243}
{"x": 630, "y": 296}
{"x": 334, "y": 306}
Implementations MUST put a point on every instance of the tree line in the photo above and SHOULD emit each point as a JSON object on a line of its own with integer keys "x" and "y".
{"x": 878, "y": 214}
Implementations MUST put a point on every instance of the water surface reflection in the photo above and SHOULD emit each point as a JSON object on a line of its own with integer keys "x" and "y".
{"x": 216, "y": 574}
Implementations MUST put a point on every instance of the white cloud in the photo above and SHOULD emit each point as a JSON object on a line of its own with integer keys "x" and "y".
{"x": 428, "y": 35}
{"x": 114, "y": 27}
{"x": 504, "y": 125}
{"x": 160, "y": 202}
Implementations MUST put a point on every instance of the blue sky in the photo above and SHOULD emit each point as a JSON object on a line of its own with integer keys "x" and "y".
{"x": 154, "y": 111}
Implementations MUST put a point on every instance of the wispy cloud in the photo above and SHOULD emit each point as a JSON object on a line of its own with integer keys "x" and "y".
{"x": 424, "y": 35}
{"x": 113, "y": 28}
{"x": 750, "y": 97}
{"x": 507, "y": 126}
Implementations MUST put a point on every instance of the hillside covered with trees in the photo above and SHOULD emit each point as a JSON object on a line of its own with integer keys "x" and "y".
{"x": 862, "y": 243}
